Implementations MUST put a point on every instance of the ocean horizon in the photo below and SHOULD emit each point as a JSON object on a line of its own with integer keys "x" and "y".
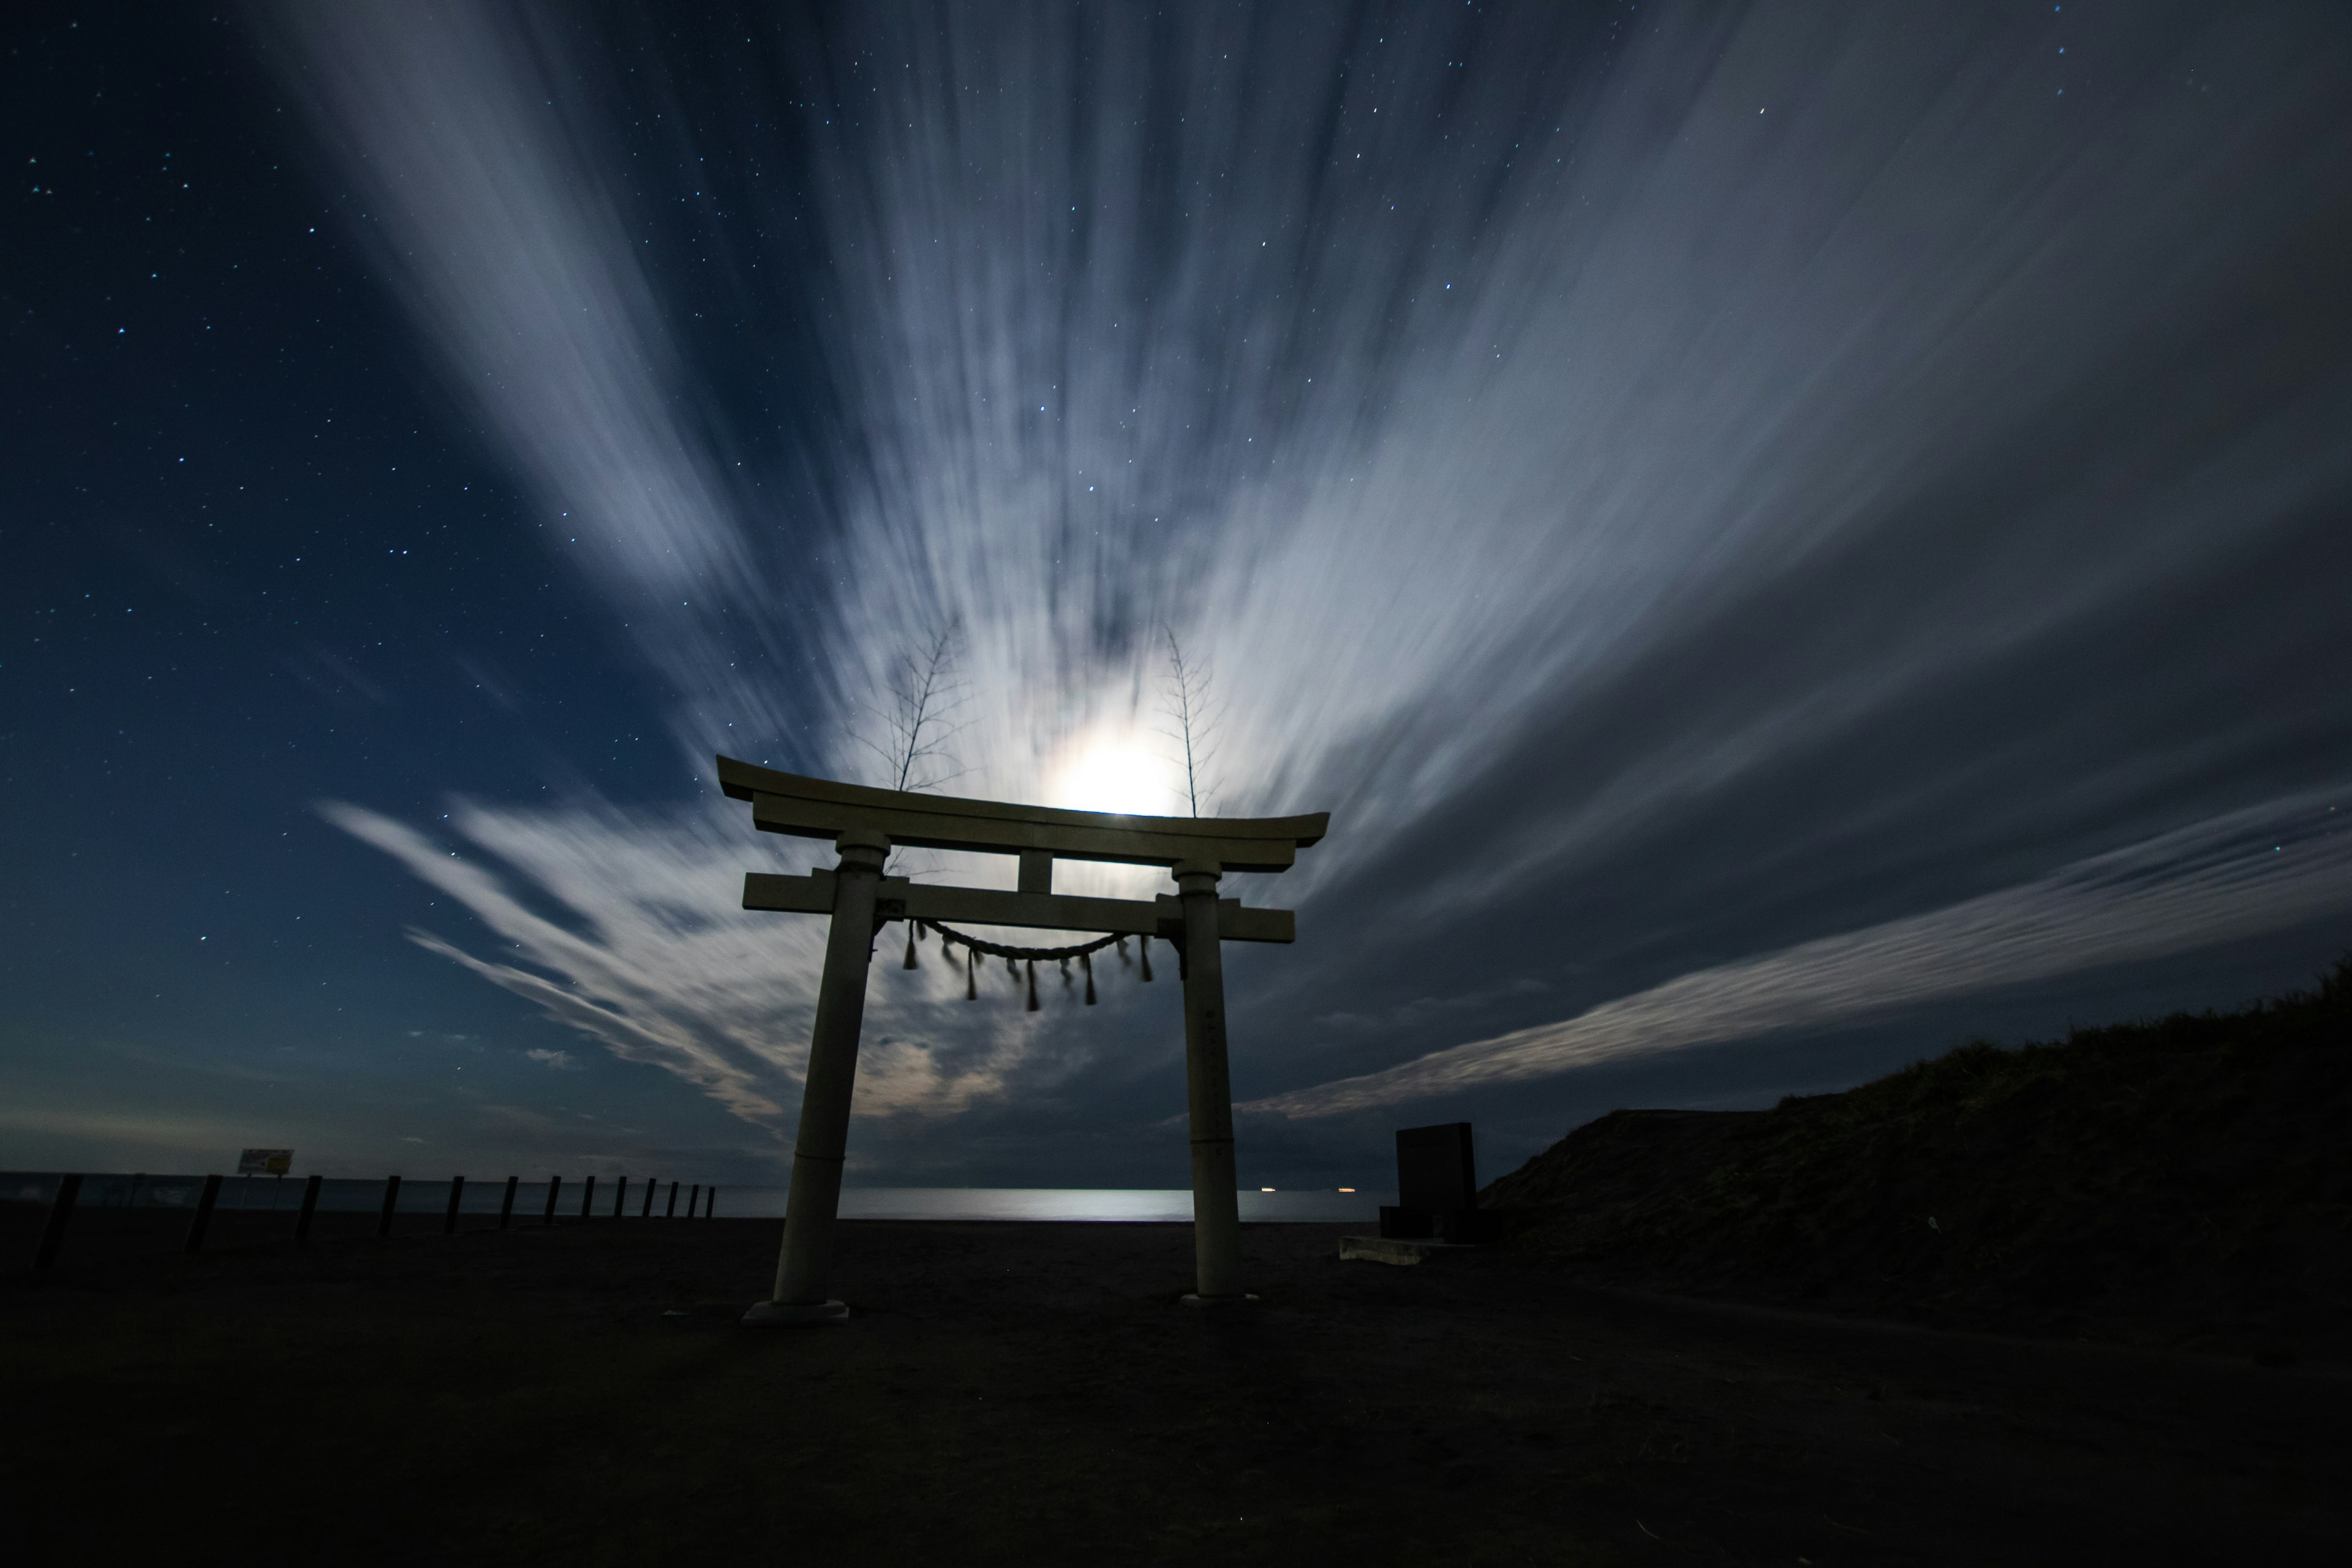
{"x": 486, "y": 1196}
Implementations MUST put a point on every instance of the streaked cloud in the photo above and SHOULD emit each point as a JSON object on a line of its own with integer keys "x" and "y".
{"x": 2236, "y": 876}
{"x": 516, "y": 259}
{"x": 630, "y": 931}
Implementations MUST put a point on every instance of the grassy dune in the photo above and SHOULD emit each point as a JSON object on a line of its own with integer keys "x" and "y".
{"x": 2186, "y": 1181}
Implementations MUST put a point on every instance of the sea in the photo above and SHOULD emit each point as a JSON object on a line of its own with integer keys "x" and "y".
{"x": 1303, "y": 1205}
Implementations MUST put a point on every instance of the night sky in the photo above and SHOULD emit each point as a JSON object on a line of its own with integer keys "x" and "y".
{"x": 1785, "y": 539}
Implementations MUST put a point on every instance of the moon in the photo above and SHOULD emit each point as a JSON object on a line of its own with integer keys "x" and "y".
{"x": 1116, "y": 773}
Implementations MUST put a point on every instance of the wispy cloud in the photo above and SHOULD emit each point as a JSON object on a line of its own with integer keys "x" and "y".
{"x": 632, "y": 934}
{"x": 495, "y": 224}
{"x": 2233, "y": 877}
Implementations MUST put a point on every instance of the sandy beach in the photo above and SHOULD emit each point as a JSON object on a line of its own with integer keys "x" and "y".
{"x": 583, "y": 1394}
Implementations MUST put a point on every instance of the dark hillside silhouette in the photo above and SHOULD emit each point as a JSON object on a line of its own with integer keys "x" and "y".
{"x": 2186, "y": 1181}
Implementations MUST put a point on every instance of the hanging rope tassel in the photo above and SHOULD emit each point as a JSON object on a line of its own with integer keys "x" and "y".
{"x": 977, "y": 952}
{"x": 1032, "y": 986}
{"x": 1145, "y": 943}
{"x": 911, "y": 927}
{"x": 1123, "y": 957}
{"x": 971, "y": 975}
{"x": 1087, "y": 959}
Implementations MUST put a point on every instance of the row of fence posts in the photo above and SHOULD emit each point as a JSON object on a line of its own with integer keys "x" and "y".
{"x": 53, "y": 1233}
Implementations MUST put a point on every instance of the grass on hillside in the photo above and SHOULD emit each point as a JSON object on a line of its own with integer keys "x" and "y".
{"x": 2185, "y": 1179}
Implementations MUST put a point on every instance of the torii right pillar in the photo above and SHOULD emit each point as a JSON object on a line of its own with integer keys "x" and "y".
{"x": 1216, "y": 1203}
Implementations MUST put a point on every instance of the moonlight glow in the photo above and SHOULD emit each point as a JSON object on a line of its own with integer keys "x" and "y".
{"x": 1116, "y": 773}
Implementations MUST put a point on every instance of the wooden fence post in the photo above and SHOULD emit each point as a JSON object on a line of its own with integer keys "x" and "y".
{"x": 652, "y": 1187}
{"x": 506, "y": 1209}
{"x": 309, "y": 1207}
{"x": 620, "y": 1196}
{"x": 204, "y": 1220}
{"x": 390, "y": 1203}
{"x": 693, "y": 1200}
{"x": 710, "y": 1205}
{"x": 457, "y": 1191}
{"x": 53, "y": 1234}
{"x": 554, "y": 1186}
{"x": 671, "y": 1212}
{"x": 587, "y": 1195}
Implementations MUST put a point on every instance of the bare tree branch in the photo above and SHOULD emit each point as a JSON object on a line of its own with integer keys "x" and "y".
{"x": 923, "y": 692}
{"x": 915, "y": 722}
{"x": 1187, "y": 698}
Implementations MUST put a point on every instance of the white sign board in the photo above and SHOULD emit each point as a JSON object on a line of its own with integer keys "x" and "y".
{"x": 264, "y": 1162}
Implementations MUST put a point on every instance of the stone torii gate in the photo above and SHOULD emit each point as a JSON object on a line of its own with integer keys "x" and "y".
{"x": 865, "y": 824}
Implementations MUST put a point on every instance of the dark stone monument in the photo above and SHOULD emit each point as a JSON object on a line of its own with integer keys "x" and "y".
{"x": 1437, "y": 1186}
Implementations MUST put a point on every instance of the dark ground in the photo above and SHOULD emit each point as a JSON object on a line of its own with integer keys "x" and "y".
{"x": 581, "y": 1395}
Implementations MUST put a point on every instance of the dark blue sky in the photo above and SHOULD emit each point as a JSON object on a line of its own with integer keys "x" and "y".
{"x": 1785, "y": 539}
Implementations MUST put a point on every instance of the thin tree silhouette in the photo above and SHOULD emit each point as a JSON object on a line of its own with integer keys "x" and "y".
{"x": 1188, "y": 699}
{"x": 921, "y": 692}
{"x": 916, "y": 721}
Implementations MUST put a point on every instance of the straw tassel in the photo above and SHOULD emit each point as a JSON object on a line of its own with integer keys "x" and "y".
{"x": 1087, "y": 961}
{"x": 972, "y": 974}
{"x": 1123, "y": 957}
{"x": 1146, "y": 946}
{"x": 1065, "y": 975}
{"x": 910, "y": 946}
{"x": 1032, "y": 986}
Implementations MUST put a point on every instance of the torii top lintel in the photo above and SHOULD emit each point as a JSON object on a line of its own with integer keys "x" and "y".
{"x": 820, "y": 808}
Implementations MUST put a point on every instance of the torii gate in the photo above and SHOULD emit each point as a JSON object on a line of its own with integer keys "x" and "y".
{"x": 864, "y": 824}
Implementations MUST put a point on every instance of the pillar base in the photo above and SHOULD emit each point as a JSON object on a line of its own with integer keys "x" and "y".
{"x": 1192, "y": 1300}
{"x": 794, "y": 1314}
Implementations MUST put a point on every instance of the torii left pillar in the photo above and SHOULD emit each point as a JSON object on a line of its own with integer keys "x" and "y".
{"x": 815, "y": 1196}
